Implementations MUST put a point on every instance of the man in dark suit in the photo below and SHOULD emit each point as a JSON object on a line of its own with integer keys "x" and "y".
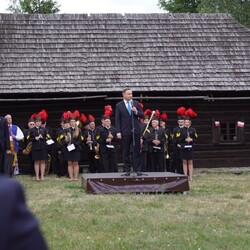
{"x": 18, "y": 227}
{"x": 4, "y": 142}
{"x": 127, "y": 114}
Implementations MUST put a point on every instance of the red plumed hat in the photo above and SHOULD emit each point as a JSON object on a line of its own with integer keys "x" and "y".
{"x": 108, "y": 111}
{"x": 66, "y": 115}
{"x": 141, "y": 105}
{"x": 181, "y": 111}
{"x": 189, "y": 112}
{"x": 91, "y": 118}
{"x": 164, "y": 116}
{"x": 83, "y": 118}
{"x": 157, "y": 113}
{"x": 76, "y": 114}
{"x": 42, "y": 115}
{"x": 147, "y": 113}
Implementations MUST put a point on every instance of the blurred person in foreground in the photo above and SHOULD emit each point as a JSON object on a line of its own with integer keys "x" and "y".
{"x": 19, "y": 229}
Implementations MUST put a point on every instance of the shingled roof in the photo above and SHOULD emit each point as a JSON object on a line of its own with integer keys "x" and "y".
{"x": 103, "y": 52}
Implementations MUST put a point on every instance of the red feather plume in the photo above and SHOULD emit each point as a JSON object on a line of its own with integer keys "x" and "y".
{"x": 76, "y": 114}
{"x": 164, "y": 116}
{"x": 148, "y": 112}
{"x": 190, "y": 113}
{"x": 157, "y": 113}
{"x": 108, "y": 111}
{"x": 141, "y": 105}
{"x": 91, "y": 118}
{"x": 83, "y": 118}
{"x": 181, "y": 111}
{"x": 43, "y": 114}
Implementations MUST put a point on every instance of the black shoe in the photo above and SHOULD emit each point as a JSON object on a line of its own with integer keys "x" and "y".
{"x": 127, "y": 174}
{"x": 139, "y": 173}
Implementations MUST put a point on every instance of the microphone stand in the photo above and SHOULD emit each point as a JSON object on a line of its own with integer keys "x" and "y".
{"x": 133, "y": 138}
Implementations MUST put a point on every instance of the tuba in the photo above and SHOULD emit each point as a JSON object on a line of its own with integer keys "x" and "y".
{"x": 28, "y": 149}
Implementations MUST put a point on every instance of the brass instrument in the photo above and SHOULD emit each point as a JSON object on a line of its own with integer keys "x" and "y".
{"x": 28, "y": 149}
{"x": 166, "y": 150}
{"x": 47, "y": 165}
{"x": 90, "y": 143}
{"x": 97, "y": 152}
{"x": 68, "y": 138}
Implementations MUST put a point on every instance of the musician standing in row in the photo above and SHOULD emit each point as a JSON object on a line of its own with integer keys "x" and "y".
{"x": 91, "y": 143}
{"x": 145, "y": 133}
{"x": 62, "y": 164}
{"x": 26, "y": 146}
{"x": 16, "y": 135}
{"x": 73, "y": 150}
{"x": 107, "y": 140}
{"x": 156, "y": 143}
{"x": 177, "y": 162}
{"x": 39, "y": 152}
{"x": 187, "y": 137}
{"x": 127, "y": 114}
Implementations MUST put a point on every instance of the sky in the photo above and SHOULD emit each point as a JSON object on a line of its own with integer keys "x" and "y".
{"x": 101, "y": 6}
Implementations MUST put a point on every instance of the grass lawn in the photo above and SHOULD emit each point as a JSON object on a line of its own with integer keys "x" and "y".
{"x": 214, "y": 215}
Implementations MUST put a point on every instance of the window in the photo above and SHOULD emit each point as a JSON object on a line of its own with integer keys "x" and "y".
{"x": 227, "y": 132}
{"x": 224, "y": 132}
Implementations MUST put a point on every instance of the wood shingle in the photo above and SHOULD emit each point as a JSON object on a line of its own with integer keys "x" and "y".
{"x": 150, "y": 52}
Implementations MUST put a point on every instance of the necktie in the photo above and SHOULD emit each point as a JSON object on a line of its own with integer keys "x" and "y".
{"x": 10, "y": 130}
{"x": 129, "y": 107}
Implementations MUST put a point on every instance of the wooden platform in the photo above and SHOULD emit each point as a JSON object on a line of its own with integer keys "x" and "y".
{"x": 151, "y": 182}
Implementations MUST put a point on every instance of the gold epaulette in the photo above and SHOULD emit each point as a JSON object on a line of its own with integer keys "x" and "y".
{"x": 178, "y": 134}
{"x": 166, "y": 135}
{"x": 148, "y": 131}
{"x": 196, "y": 135}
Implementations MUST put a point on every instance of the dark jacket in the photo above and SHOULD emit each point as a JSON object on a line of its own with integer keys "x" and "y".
{"x": 19, "y": 229}
{"x": 123, "y": 120}
{"x": 4, "y": 135}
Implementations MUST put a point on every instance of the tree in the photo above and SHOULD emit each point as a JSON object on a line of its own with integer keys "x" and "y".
{"x": 34, "y": 6}
{"x": 179, "y": 6}
{"x": 239, "y": 9}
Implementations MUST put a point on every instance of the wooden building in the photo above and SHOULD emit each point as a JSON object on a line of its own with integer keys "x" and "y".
{"x": 79, "y": 61}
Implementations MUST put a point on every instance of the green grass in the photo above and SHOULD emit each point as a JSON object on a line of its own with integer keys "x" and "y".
{"x": 214, "y": 215}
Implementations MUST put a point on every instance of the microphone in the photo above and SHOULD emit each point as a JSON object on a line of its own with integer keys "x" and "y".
{"x": 131, "y": 102}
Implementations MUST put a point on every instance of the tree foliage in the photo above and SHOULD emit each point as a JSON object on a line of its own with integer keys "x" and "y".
{"x": 239, "y": 9}
{"x": 179, "y": 6}
{"x": 34, "y": 6}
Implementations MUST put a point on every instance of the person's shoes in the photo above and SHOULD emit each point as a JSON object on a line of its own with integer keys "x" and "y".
{"x": 139, "y": 173}
{"x": 127, "y": 174}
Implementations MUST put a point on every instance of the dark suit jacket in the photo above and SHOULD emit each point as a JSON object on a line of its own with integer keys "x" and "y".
{"x": 19, "y": 229}
{"x": 123, "y": 120}
{"x": 4, "y": 135}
